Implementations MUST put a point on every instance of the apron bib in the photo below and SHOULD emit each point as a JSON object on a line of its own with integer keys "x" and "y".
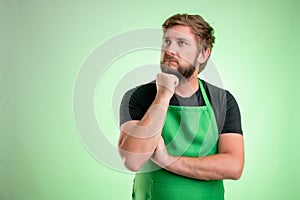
{"x": 188, "y": 131}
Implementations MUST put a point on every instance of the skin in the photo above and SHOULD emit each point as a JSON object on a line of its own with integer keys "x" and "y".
{"x": 179, "y": 52}
{"x": 134, "y": 150}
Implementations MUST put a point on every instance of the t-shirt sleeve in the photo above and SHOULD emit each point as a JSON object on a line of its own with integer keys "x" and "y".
{"x": 136, "y": 102}
{"x": 130, "y": 108}
{"x": 232, "y": 122}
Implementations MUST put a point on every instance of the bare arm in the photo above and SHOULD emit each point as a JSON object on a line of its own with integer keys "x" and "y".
{"x": 227, "y": 164}
{"x": 139, "y": 138}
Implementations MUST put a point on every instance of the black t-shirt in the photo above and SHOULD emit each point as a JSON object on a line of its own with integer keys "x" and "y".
{"x": 136, "y": 102}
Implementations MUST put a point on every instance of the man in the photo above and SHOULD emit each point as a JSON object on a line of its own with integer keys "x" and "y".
{"x": 181, "y": 133}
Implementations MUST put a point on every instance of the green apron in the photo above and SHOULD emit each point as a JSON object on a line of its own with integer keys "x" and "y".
{"x": 188, "y": 131}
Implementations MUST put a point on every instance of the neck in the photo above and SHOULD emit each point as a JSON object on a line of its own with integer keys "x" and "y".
{"x": 189, "y": 87}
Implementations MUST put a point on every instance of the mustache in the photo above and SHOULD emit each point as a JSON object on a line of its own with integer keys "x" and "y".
{"x": 167, "y": 57}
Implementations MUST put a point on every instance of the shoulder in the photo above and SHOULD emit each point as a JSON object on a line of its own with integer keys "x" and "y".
{"x": 226, "y": 109}
{"x": 147, "y": 88}
{"x": 136, "y": 101}
{"x": 140, "y": 97}
{"x": 218, "y": 94}
{"x": 144, "y": 91}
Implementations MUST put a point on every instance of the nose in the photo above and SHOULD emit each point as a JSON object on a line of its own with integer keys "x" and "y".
{"x": 170, "y": 49}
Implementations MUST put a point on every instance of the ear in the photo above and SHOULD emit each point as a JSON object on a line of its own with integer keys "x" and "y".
{"x": 203, "y": 56}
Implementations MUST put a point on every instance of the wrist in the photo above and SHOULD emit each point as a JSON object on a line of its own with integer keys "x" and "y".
{"x": 169, "y": 161}
{"x": 162, "y": 100}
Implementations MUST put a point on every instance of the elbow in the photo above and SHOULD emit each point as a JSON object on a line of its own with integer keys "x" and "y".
{"x": 236, "y": 172}
{"x": 133, "y": 156}
{"x": 236, "y": 175}
{"x": 132, "y": 161}
{"x": 134, "y": 167}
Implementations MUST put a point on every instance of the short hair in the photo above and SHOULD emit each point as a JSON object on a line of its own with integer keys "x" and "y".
{"x": 203, "y": 31}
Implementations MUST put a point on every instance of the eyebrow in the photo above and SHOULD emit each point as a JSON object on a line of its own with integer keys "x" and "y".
{"x": 177, "y": 39}
{"x": 184, "y": 39}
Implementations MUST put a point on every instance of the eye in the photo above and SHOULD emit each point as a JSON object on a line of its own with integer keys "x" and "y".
{"x": 182, "y": 43}
{"x": 166, "y": 42}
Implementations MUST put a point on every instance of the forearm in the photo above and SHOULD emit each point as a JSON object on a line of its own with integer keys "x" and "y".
{"x": 136, "y": 152}
{"x": 228, "y": 163}
{"x": 138, "y": 139}
{"x": 213, "y": 167}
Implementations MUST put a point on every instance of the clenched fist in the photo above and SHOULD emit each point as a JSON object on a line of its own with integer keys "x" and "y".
{"x": 166, "y": 84}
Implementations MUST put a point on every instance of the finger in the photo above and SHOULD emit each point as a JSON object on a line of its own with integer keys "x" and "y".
{"x": 169, "y": 81}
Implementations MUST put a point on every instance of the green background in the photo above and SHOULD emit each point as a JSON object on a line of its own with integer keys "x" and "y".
{"x": 44, "y": 43}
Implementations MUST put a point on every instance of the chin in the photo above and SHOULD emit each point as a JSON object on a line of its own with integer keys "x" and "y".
{"x": 170, "y": 70}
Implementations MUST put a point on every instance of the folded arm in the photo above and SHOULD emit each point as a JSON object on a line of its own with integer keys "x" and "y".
{"x": 228, "y": 163}
{"x": 139, "y": 138}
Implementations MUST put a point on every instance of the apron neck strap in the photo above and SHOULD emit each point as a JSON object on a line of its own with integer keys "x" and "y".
{"x": 207, "y": 103}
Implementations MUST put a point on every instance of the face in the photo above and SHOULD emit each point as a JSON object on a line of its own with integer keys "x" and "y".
{"x": 179, "y": 52}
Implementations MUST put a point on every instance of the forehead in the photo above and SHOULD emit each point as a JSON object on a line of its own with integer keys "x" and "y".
{"x": 180, "y": 31}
